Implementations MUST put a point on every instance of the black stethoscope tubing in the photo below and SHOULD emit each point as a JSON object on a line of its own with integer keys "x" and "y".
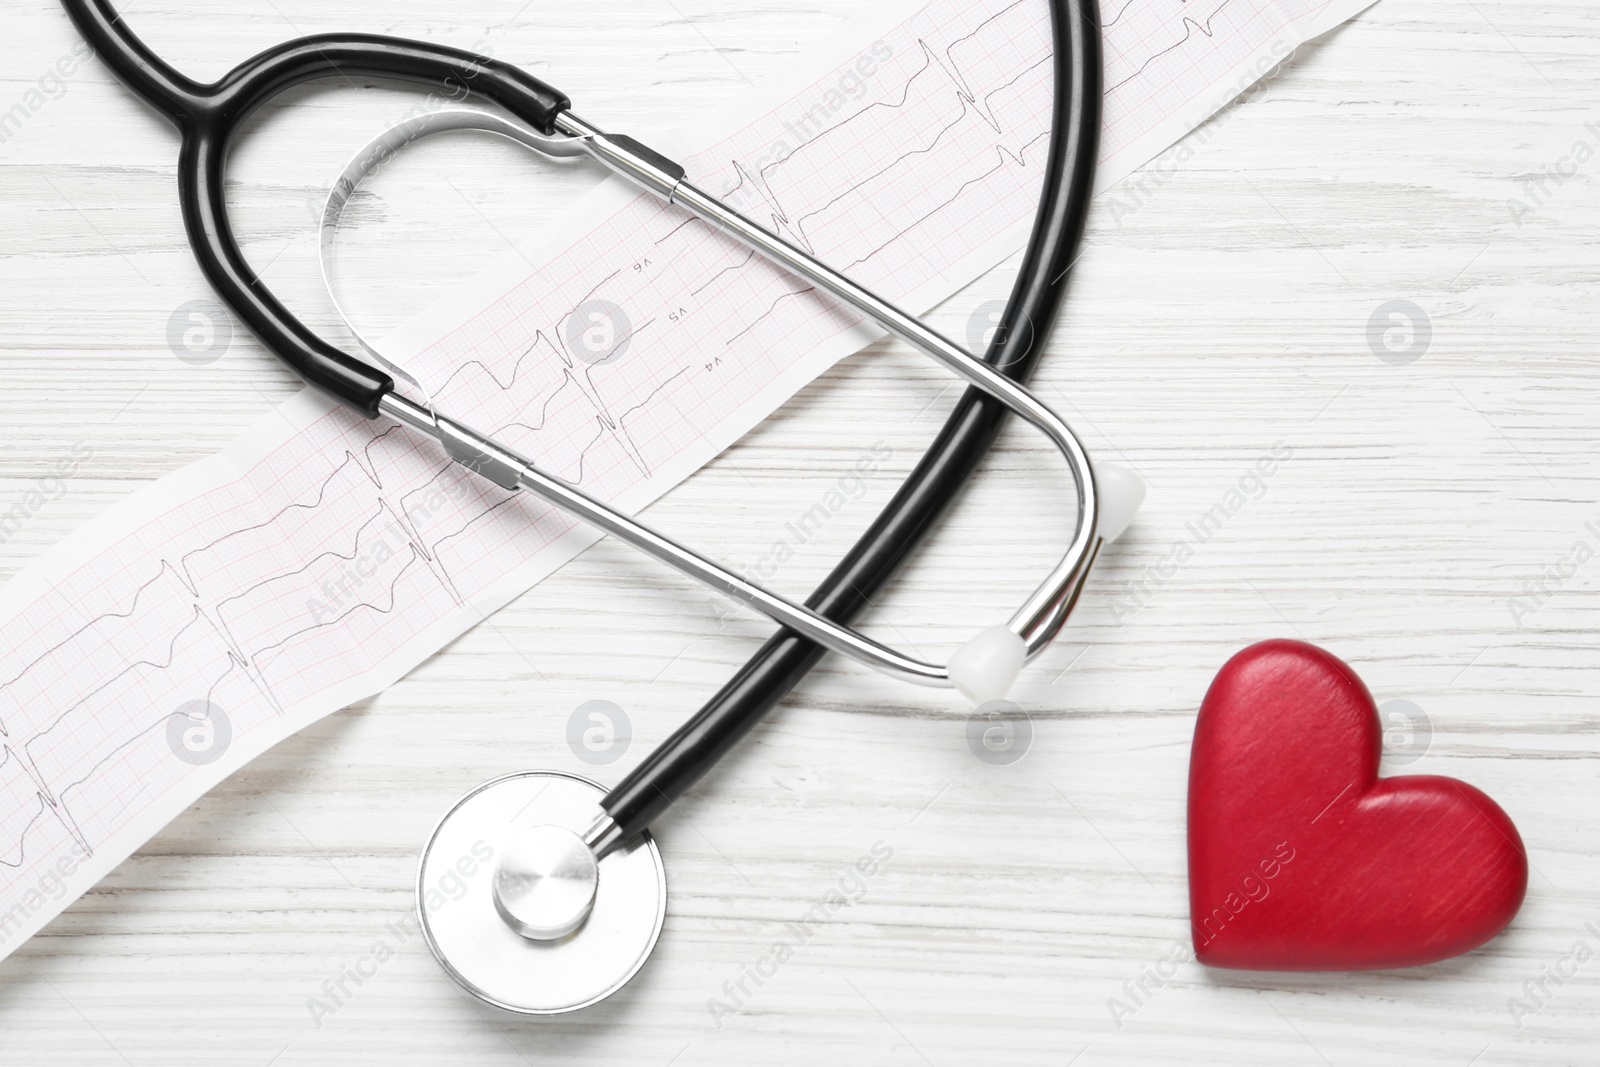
{"x": 209, "y": 116}
{"x": 963, "y": 441}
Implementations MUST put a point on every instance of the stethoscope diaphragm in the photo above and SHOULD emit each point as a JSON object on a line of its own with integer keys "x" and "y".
{"x": 507, "y": 872}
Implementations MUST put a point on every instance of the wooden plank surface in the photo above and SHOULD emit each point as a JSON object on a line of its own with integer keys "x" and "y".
{"x": 1223, "y": 314}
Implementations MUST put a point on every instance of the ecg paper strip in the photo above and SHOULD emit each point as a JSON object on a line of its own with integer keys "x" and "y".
{"x": 322, "y": 557}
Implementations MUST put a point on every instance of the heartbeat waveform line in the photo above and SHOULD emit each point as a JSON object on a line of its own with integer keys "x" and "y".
{"x": 1191, "y": 27}
{"x": 745, "y": 262}
{"x": 949, "y": 128}
{"x": 670, "y": 234}
{"x": 1019, "y": 160}
{"x": 365, "y": 605}
{"x": 47, "y": 805}
{"x": 1118, "y": 16}
{"x": 330, "y": 553}
{"x": 4, "y": 731}
{"x": 617, "y": 424}
{"x": 56, "y": 797}
{"x": 475, "y": 520}
{"x": 622, "y": 419}
{"x": 194, "y": 618}
{"x": 61, "y": 803}
{"x": 965, "y": 97}
{"x": 40, "y": 809}
{"x": 773, "y": 310}
{"x": 570, "y": 375}
{"x": 511, "y": 381}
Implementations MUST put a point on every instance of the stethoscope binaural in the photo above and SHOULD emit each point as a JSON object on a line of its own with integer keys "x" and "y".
{"x": 566, "y": 888}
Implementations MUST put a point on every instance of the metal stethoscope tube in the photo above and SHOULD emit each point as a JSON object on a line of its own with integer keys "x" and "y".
{"x": 1035, "y": 623}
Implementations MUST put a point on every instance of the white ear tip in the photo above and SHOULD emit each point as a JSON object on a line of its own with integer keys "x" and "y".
{"x": 985, "y": 667}
{"x": 1121, "y": 494}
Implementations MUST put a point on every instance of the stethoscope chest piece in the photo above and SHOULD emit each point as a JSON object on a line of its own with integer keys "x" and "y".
{"x": 516, "y": 908}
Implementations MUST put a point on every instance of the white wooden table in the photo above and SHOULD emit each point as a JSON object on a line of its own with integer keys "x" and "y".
{"x": 1227, "y": 314}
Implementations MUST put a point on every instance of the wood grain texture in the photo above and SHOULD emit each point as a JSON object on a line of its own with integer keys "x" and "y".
{"x": 1221, "y": 313}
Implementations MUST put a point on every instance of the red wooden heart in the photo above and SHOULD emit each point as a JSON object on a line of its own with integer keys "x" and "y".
{"x": 1302, "y": 859}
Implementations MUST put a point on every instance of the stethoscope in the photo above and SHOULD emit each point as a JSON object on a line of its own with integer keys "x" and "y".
{"x": 566, "y": 891}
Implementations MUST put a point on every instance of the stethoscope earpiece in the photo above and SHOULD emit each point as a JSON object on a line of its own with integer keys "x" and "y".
{"x": 1121, "y": 496}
